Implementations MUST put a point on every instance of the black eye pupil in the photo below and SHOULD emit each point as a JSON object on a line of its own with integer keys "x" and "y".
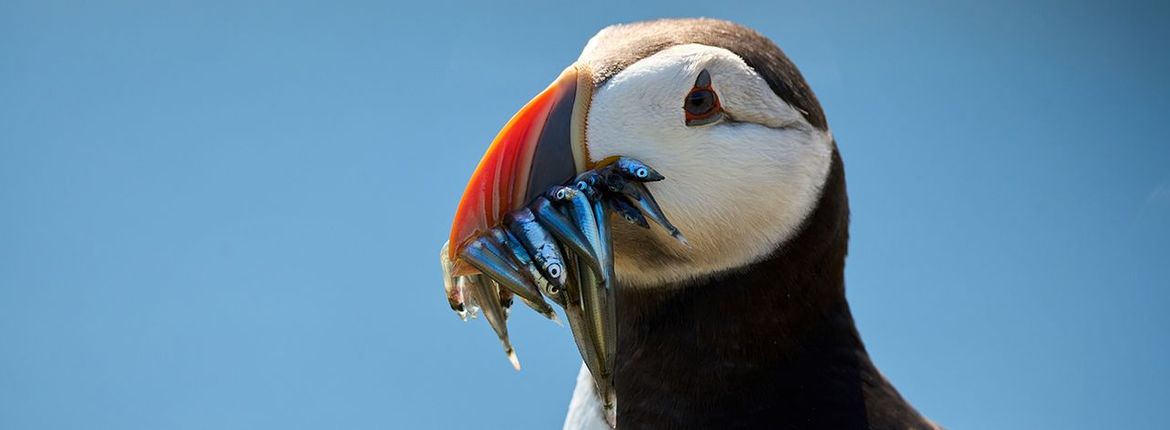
{"x": 700, "y": 102}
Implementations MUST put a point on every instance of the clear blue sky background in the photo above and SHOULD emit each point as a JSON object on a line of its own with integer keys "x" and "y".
{"x": 227, "y": 215}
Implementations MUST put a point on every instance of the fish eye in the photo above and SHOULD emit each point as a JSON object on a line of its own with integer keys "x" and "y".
{"x": 554, "y": 270}
{"x": 702, "y": 103}
{"x": 641, "y": 172}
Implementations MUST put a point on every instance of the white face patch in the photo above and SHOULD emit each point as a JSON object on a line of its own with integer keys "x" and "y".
{"x": 737, "y": 189}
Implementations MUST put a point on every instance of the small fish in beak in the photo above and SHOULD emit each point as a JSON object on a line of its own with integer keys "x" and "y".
{"x": 541, "y": 246}
{"x": 490, "y": 258}
{"x": 637, "y": 194}
{"x": 628, "y": 212}
{"x": 486, "y": 293}
{"x": 534, "y": 223}
{"x": 564, "y": 229}
{"x": 636, "y": 170}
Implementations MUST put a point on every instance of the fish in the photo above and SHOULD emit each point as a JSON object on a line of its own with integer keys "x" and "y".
{"x": 638, "y": 195}
{"x": 579, "y": 322}
{"x": 628, "y": 212}
{"x": 584, "y": 204}
{"x": 490, "y": 258}
{"x": 564, "y": 230}
{"x": 581, "y": 212}
{"x": 590, "y": 183}
{"x": 541, "y": 246}
{"x": 636, "y": 170}
{"x": 594, "y": 310}
{"x": 559, "y": 247}
{"x": 548, "y": 288}
{"x": 486, "y": 294}
{"x": 511, "y": 245}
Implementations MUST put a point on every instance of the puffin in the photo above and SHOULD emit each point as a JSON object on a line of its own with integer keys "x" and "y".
{"x": 745, "y": 325}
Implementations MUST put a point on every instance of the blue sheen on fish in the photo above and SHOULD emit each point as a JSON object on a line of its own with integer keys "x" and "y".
{"x": 641, "y": 198}
{"x": 564, "y": 230}
{"x": 541, "y": 246}
{"x": 637, "y": 170}
{"x": 628, "y": 212}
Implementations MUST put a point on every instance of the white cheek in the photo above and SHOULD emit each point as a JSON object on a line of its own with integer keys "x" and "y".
{"x": 736, "y": 190}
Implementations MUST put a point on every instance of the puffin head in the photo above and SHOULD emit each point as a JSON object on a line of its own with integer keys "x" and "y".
{"x": 713, "y": 106}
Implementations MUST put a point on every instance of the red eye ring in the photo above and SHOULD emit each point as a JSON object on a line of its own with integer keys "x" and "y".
{"x": 701, "y": 105}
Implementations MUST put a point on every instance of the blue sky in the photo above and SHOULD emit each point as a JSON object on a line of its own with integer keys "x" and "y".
{"x": 227, "y": 214}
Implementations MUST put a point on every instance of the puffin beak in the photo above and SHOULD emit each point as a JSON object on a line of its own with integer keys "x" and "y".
{"x": 541, "y": 146}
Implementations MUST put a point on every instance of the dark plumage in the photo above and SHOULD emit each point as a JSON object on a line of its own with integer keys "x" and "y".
{"x": 771, "y": 345}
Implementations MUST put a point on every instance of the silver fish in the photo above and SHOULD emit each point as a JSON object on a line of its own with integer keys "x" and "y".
{"x": 542, "y": 250}
{"x": 641, "y": 198}
{"x": 609, "y": 304}
{"x": 486, "y": 294}
{"x": 598, "y": 312}
{"x": 604, "y": 238}
{"x": 540, "y": 245}
{"x": 553, "y": 292}
{"x": 511, "y": 246}
{"x": 605, "y": 314}
{"x": 491, "y": 259}
{"x": 590, "y": 183}
{"x": 594, "y": 308}
{"x": 579, "y": 322}
{"x": 477, "y": 254}
{"x": 637, "y": 170}
{"x": 564, "y": 230}
{"x": 628, "y": 212}
{"x": 580, "y": 211}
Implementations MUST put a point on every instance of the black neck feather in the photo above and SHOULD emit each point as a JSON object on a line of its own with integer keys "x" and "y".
{"x": 772, "y": 345}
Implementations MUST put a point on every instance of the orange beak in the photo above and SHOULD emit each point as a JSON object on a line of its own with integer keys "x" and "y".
{"x": 541, "y": 146}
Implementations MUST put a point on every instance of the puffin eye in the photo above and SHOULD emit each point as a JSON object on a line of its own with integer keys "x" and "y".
{"x": 702, "y": 104}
